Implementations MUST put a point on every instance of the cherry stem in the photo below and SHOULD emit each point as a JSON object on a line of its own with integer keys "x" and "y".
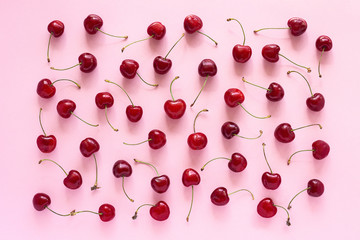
{"x": 146, "y": 204}
{"x": 191, "y": 204}
{"x": 208, "y": 37}
{"x": 287, "y": 212}
{"x": 197, "y": 115}
{"x": 153, "y": 85}
{"x": 289, "y": 206}
{"x": 122, "y": 50}
{"x": 107, "y": 119}
{"x": 243, "y": 79}
{"x": 307, "y": 150}
{"x": 42, "y": 160}
{"x": 65, "y": 79}
{"x": 133, "y": 144}
{"x": 131, "y": 200}
{"x": 200, "y": 91}
{"x": 252, "y": 195}
{"x": 310, "y": 125}
{"x": 149, "y": 164}
{"x": 268, "y": 116}
{"x": 111, "y": 34}
{"x": 72, "y": 213}
{"x": 41, "y": 123}
{"x": 96, "y": 176}
{"x": 174, "y": 45}
{"x": 108, "y": 81}
{"x": 93, "y": 125}
{"x": 307, "y": 68}
{"x": 320, "y": 61}
{"x": 266, "y": 157}
{"x": 260, "y": 131}
{"x": 171, "y": 87}
{"x": 48, "y": 48}
{"x": 229, "y": 19}
{"x": 304, "y": 79}
{"x": 255, "y": 31}
{"x": 64, "y": 69}
{"x": 202, "y": 169}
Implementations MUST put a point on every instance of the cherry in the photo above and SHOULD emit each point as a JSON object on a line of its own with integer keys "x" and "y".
{"x": 128, "y": 69}
{"x": 271, "y": 53}
{"x": 320, "y": 150}
{"x": 175, "y": 109}
{"x": 234, "y": 97}
{"x": 122, "y": 169}
{"x": 190, "y": 177}
{"x": 270, "y": 180}
{"x": 267, "y": 209}
{"x": 45, "y": 143}
{"x": 156, "y": 30}
{"x": 297, "y": 26}
{"x": 46, "y": 88}
{"x": 197, "y": 140}
{"x": 285, "y": 133}
{"x": 156, "y": 139}
{"x": 241, "y": 53}
{"x": 315, "y": 188}
{"x": 87, "y": 63}
{"x": 41, "y": 201}
{"x": 193, "y": 23}
{"x": 66, "y": 108}
{"x": 56, "y": 29}
{"x": 106, "y": 212}
{"x": 93, "y": 23}
{"x": 237, "y": 162}
{"x": 323, "y": 44}
{"x": 89, "y": 146}
{"x": 162, "y": 64}
{"x": 316, "y": 101}
{"x": 105, "y": 100}
{"x": 73, "y": 179}
{"x": 274, "y": 92}
{"x": 220, "y": 196}
{"x": 231, "y": 129}
{"x": 160, "y": 211}
{"x": 206, "y": 68}
{"x": 160, "y": 183}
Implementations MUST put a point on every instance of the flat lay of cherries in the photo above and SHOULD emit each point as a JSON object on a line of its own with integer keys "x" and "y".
{"x": 175, "y": 108}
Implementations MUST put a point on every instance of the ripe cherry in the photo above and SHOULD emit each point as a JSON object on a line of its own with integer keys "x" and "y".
{"x": 160, "y": 183}
{"x": 41, "y": 201}
{"x": 197, "y": 140}
{"x": 175, "y": 109}
{"x": 46, "y": 88}
{"x": 206, "y": 68}
{"x": 73, "y": 179}
{"x": 156, "y": 139}
{"x": 297, "y": 26}
{"x": 323, "y": 44}
{"x": 285, "y": 133}
{"x": 45, "y": 143}
{"x": 193, "y": 23}
{"x": 122, "y": 169}
{"x": 93, "y": 23}
{"x": 271, "y": 53}
{"x": 274, "y": 92}
{"x": 320, "y": 150}
{"x": 106, "y": 212}
{"x": 270, "y": 180}
{"x": 241, "y": 53}
{"x": 231, "y": 129}
{"x": 237, "y": 162}
{"x": 156, "y": 30}
{"x": 105, "y": 100}
{"x": 315, "y": 188}
{"x": 66, "y": 108}
{"x": 190, "y": 177}
{"x": 220, "y": 196}
{"x": 234, "y": 97}
{"x": 89, "y": 146}
{"x": 87, "y": 63}
{"x": 56, "y": 29}
{"x": 267, "y": 209}
{"x": 315, "y": 102}
{"x": 128, "y": 69}
{"x": 160, "y": 211}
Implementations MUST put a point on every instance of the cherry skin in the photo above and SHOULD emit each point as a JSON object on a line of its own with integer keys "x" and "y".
{"x": 207, "y": 67}
{"x": 122, "y": 168}
{"x": 41, "y": 201}
{"x": 229, "y": 129}
{"x": 297, "y": 26}
{"x": 88, "y": 62}
{"x": 162, "y": 65}
{"x": 92, "y": 23}
{"x": 104, "y": 99}
{"x": 220, "y": 196}
{"x": 233, "y": 97}
{"x": 46, "y": 144}
{"x": 276, "y": 92}
{"x": 237, "y": 163}
{"x": 134, "y": 113}
{"x": 175, "y": 109}
{"x": 45, "y": 89}
{"x": 283, "y": 133}
{"x": 197, "y": 141}
{"x": 316, "y": 102}
{"x": 271, "y": 180}
{"x": 160, "y": 211}
{"x": 160, "y": 184}
{"x": 56, "y": 28}
{"x": 65, "y": 107}
{"x": 323, "y": 43}
{"x": 157, "y": 30}
{"x": 271, "y": 52}
{"x": 73, "y": 180}
{"x": 241, "y": 53}
{"x": 190, "y": 177}
{"x": 266, "y": 208}
{"x": 321, "y": 149}
{"x": 192, "y": 23}
{"x": 128, "y": 68}
{"x": 89, "y": 146}
{"x": 107, "y": 212}
{"x": 158, "y": 139}
{"x": 316, "y": 188}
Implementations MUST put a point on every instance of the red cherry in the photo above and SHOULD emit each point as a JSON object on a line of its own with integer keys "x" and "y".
{"x": 56, "y": 29}
{"x": 271, "y": 52}
{"x": 241, "y": 53}
{"x": 41, "y": 201}
{"x": 105, "y": 100}
{"x": 190, "y": 177}
{"x": 207, "y": 67}
{"x": 270, "y": 180}
{"x": 323, "y": 43}
{"x": 106, "y": 212}
{"x": 197, "y": 140}
{"x": 320, "y": 150}
{"x": 87, "y": 62}
{"x": 285, "y": 134}
{"x": 192, "y": 23}
{"x": 93, "y": 23}
{"x": 65, "y": 108}
{"x": 122, "y": 169}
{"x": 45, "y": 143}
{"x": 237, "y": 163}
{"x": 233, "y": 97}
{"x": 219, "y": 196}
{"x": 229, "y": 129}
{"x": 175, "y": 109}
{"x": 46, "y": 88}
{"x": 162, "y": 65}
{"x": 157, "y": 30}
{"x": 157, "y": 139}
{"x": 266, "y": 208}
{"x": 160, "y": 211}
{"x": 274, "y": 92}
{"x": 128, "y": 68}
{"x": 89, "y": 146}
{"x": 315, "y": 188}
{"x": 297, "y": 26}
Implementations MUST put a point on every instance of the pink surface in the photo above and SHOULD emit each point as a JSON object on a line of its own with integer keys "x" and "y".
{"x": 24, "y": 39}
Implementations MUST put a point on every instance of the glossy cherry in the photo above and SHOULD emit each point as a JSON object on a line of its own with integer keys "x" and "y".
{"x": 122, "y": 169}
{"x": 106, "y": 212}
{"x": 45, "y": 143}
{"x": 220, "y": 196}
{"x": 315, "y": 188}
{"x": 160, "y": 211}
{"x": 156, "y": 139}
{"x": 237, "y": 162}
{"x": 320, "y": 150}
{"x": 87, "y": 63}
{"x": 197, "y": 140}
{"x": 296, "y": 25}
{"x": 175, "y": 109}
{"x": 46, "y": 88}
{"x": 241, "y": 53}
{"x": 193, "y": 23}
{"x": 323, "y": 44}
{"x": 105, "y": 100}
{"x": 89, "y": 146}
{"x": 229, "y": 129}
{"x": 274, "y": 92}
{"x": 66, "y": 108}
{"x": 41, "y": 201}
{"x": 128, "y": 69}
{"x": 267, "y": 209}
{"x": 191, "y": 178}
{"x": 56, "y": 29}
{"x": 93, "y": 23}
{"x": 270, "y": 180}
{"x": 285, "y": 133}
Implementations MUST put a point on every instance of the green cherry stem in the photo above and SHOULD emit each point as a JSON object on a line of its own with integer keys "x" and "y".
{"x": 136, "y": 212}
{"x": 73, "y": 213}
{"x": 320, "y": 61}
{"x": 93, "y": 125}
{"x": 229, "y": 19}
{"x": 200, "y": 91}
{"x": 256, "y": 31}
{"x": 133, "y": 144}
{"x": 307, "y": 68}
{"x": 122, "y": 50}
{"x": 191, "y": 204}
{"x": 197, "y": 115}
{"x": 108, "y": 81}
{"x": 107, "y": 119}
{"x": 266, "y": 158}
{"x": 42, "y": 160}
{"x": 306, "y": 150}
{"x": 96, "y": 175}
{"x": 65, "y": 79}
{"x": 48, "y": 48}
{"x": 304, "y": 79}
{"x": 243, "y": 79}
{"x": 41, "y": 123}
{"x": 250, "y": 138}
{"x": 111, "y": 34}
{"x": 310, "y": 125}
{"x": 208, "y": 37}
{"x": 268, "y": 116}
{"x": 289, "y": 205}
{"x": 202, "y": 169}
{"x": 171, "y": 87}
{"x": 123, "y": 187}
{"x": 252, "y": 195}
{"x": 153, "y": 85}
{"x": 149, "y": 164}
{"x": 287, "y": 212}
{"x": 174, "y": 45}
{"x": 64, "y": 69}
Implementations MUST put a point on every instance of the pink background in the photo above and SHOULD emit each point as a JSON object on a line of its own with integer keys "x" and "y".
{"x": 23, "y": 59}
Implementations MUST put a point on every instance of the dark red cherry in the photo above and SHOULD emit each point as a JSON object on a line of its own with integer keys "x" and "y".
{"x": 65, "y": 108}
{"x": 89, "y": 146}
{"x": 56, "y": 28}
{"x": 103, "y": 99}
{"x": 157, "y": 30}
{"x": 158, "y": 139}
{"x": 41, "y": 201}
{"x": 220, "y": 196}
{"x": 276, "y": 92}
{"x": 271, "y": 180}
{"x": 237, "y": 163}
{"x": 45, "y": 89}
{"x": 241, "y": 53}
{"x": 122, "y": 168}
{"x": 88, "y": 62}
{"x": 160, "y": 184}
{"x": 323, "y": 43}
{"x": 207, "y": 67}
{"x": 266, "y": 208}
{"x": 297, "y": 26}
{"x": 134, "y": 113}
{"x": 316, "y": 188}
{"x": 316, "y": 102}
{"x": 197, "y": 141}
{"x": 283, "y": 133}
{"x": 233, "y": 97}
{"x": 92, "y": 23}
{"x": 160, "y": 211}
{"x": 271, "y": 52}
{"x": 229, "y": 129}
{"x": 175, "y": 109}
{"x": 162, "y": 65}
{"x": 73, "y": 180}
{"x": 107, "y": 212}
{"x": 321, "y": 149}
{"x": 192, "y": 23}
{"x": 46, "y": 144}
{"x": 128, "y": 68}
{"x": 190, "y": 177}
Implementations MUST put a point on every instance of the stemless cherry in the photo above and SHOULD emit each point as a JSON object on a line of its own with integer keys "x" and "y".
{"x": 87, "y": 63}
{"x": 122, "y": 169}
{"x": 41, "y": 201}
{"x": 274, "y": 92}
{"x": 45, "y": 143}
{"x": 197, "y": 140}
{"x": 296, "y": 25}
{"x": 89, "y": 146}
{"x": 193, "y": 23}
{"x": 93, "y": 23}
{"x": 320, "y": 150}
{"x": 106, "y": 212}
{"x": 237, "y": 162}
{"x": 267, "y": 209}
{"x": 56, "y": 29}
{"x": 315, "y": 188}
{"x": 156, "y": 139}
{"x": 190, "y": 177}
{"x": 105, "y": 100}
{"x": 160, "y": 211}
{"x": 128, "y": 69}
{"x": 241, "y": 53}
{"x": 220, "y": 196}
{"x": 46, "y": 88}
{"x": 175, "y": 109}
{"x": 270, "y": 180}
{"x": 323, "y": 44}
{"x": 285, "y": 133}
{"x": 66, "y": 108}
